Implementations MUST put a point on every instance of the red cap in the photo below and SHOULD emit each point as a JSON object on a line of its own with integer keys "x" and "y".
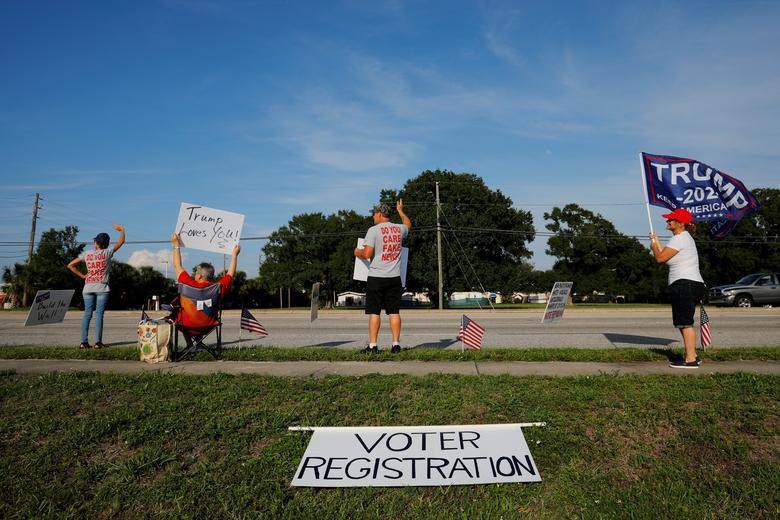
{"x": 680, "y": 215}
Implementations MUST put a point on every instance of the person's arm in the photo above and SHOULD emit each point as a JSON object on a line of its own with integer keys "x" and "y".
{"x": 176, "y": 243}
{"x": 661, "y": 254}
{"x": 365, "y": 252}
{"x": 234, "y": 260}
{"x": 399, "y": 207}
{"x": 72, "y": 266}
{"x": 121, "y": 239}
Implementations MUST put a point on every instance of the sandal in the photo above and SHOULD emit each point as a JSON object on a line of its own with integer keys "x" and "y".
{"x": 99, "y": 344}
{"x": 84, "y": 345}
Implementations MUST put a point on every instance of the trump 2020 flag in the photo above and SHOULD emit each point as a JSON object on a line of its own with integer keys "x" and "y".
{"x": 471, "y": 333}
{"x": 705, "y": 332}
{"x": 710, "y": 195}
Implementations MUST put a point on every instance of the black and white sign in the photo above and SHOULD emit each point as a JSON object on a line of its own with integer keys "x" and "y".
{"x": 556, "y": 304}
{"x": 208, "y": 229}
{"x": 416, "y": 456}
{"x": 49, "y": 307}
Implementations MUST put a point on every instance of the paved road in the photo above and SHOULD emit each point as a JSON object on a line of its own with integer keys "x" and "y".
{"x": 582, "y": 328}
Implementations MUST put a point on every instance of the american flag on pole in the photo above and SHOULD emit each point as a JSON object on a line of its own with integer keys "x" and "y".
{"x": 250, "y": 323}
{"x": 705, "y": 333}
{"x": 471, "y": 333}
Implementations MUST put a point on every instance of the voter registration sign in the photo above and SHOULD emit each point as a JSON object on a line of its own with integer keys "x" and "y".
{"x": 416, "y": 456}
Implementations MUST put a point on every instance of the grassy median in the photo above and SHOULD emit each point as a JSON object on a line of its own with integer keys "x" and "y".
{"x": 90, "y": 445}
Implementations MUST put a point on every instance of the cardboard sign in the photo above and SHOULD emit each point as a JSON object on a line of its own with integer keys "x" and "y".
{"x": 360, "y": 272}
{"x": 315, "y": 300}
{"x": 416, "y": 456}
{"x": 556, "y": 304}
{"x": 49, "y": 307}
{"x": 208, "y": 229}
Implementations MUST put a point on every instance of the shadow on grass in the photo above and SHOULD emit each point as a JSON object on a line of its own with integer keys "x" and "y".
{"x": 668, "y": 353}
{"x": 441, "y": 344}
{"x": 638, "y": 340}
{"x": 330, "y": 344}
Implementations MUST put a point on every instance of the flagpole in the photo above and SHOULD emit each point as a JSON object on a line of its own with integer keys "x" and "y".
{"x": 644, "y": 187}
{"x": 240, "y": 330}
{"x": 461, "y": 333}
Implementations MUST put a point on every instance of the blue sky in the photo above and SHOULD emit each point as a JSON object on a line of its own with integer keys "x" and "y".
{"x": 119, "y": 111}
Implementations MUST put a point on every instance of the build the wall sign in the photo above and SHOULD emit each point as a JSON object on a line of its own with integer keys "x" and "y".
{"x": 49, "y": 307}
{"x": 416, "y": 456}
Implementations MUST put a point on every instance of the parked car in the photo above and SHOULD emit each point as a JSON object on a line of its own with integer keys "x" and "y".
{"x": 753, "y": 289}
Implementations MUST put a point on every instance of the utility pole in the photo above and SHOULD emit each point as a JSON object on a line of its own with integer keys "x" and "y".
{"x": 26, "y": 296}
{"x": 438, "y": 249}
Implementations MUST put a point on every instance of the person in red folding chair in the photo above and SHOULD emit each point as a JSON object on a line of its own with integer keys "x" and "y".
{"x": 199, "y": 306}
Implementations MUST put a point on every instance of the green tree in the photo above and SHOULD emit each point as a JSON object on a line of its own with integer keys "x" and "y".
{"x": 248, "y": 292}
{"x": 753, "y": 246}
{"x": 596, "y": 257}
{"x": 47, "y": 269}
{"x": 313, "y": 248}
{"x": 485, "y": 239}
{"x": 132, "y": 288}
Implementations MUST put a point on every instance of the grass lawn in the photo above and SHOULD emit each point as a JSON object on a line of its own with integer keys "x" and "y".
{"x": 763, "y": 353}
{"x": 159, "y": 445}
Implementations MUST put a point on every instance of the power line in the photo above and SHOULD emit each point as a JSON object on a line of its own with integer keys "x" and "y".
{"x": 771, "y": 240}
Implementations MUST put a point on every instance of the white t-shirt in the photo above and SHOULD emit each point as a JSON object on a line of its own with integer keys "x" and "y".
{"x": 98, "y": 270}
{"x": 386, "y": 239}
{"x": 685, "y": 264}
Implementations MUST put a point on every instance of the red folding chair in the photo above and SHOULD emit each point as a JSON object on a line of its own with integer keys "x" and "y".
{"x": 197, "y": 314}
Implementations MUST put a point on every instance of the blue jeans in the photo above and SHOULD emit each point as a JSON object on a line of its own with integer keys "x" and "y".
{"x": 93, "y": 302}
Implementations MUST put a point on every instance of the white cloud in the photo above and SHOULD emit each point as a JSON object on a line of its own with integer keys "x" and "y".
{"x": 501, "y": 25}
{"x": 157, "y": 260}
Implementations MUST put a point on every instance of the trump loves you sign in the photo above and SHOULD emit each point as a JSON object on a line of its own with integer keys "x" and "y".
{"x": 208, "y": 229}
{"x": 416, "y": 456}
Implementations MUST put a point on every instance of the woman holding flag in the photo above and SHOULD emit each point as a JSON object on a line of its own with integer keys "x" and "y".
{"x": 686, "y": 285}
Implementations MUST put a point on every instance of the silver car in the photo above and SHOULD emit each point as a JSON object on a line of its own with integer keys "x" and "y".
{"x": 753, "y": 289}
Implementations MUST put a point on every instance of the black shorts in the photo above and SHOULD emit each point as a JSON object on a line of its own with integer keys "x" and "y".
{"x": 685, "y": 295}
{"x": 383, "y": 293}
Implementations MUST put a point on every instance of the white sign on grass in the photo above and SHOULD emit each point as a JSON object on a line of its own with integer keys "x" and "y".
{"x": 556, "y": 304}
{"x": 416, "y": 456}
{"x": 208, "y": 229}
{"x": 360, "y": 272}
{"x": 49, "y": 307}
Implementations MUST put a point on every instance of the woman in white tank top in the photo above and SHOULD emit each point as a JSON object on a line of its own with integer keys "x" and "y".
{"x": 686, "y": 286}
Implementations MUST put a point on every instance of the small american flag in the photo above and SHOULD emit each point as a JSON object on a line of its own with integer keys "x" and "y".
{"x": 471, "y": 333}
{"x": 706, "y": 333}
{"x": 250, "y": 323}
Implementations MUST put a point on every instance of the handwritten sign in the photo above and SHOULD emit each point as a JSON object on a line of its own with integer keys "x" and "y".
{"x": 360, "y": 272}
{"x": 208, "y": 229}
{"x": 557, "y": 302}
{"x": 49, "y": 307}
{"x": 416, "y": 456}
